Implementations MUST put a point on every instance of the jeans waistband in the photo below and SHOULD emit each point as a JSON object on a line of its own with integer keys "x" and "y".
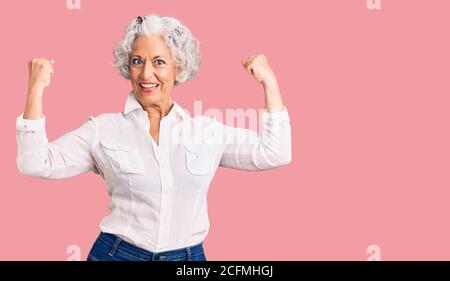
{"x": 118, "y": 243}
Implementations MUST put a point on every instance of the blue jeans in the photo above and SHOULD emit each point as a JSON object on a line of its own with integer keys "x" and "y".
{"x": 110, "y": 247}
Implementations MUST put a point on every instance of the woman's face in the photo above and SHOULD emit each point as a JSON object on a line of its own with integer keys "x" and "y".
{"x": 152, "y": 71}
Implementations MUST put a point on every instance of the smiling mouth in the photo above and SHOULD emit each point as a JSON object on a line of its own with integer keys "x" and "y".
{"x": 148, "y": 87}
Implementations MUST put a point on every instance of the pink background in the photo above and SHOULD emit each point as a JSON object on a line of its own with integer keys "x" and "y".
{"x": 368, "y": 95}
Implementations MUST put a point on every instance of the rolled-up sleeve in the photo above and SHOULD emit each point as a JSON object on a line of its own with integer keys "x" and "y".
{"x": 67, "y": 156}
{"x": 247, "y": 150}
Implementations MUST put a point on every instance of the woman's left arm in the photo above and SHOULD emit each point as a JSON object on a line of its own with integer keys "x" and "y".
{"x": 258, "y": 66}
{"x": 271, "y": 148}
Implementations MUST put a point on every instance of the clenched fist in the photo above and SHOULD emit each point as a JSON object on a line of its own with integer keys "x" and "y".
{"x": 40, "y": 73}
{"x": 258, "y": 66}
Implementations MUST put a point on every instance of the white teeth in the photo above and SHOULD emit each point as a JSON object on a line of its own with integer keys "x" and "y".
{"x": 149, "y": 85}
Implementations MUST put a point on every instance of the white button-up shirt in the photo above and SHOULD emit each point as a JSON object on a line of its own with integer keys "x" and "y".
{"x": 158, "y": 191}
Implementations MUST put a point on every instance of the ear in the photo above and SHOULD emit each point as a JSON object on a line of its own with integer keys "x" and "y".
{"x": 177, "y": 71}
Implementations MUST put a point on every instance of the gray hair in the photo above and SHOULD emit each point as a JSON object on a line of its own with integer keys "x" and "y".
{"x": 185, "y": 48}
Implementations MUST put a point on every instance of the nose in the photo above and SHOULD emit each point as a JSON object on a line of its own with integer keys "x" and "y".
{"x": 148, "y": 71}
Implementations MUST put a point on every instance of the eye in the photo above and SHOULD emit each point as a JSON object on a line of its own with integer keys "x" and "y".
{"x": 159, "y": 60}
{"x": 137, "y": 61}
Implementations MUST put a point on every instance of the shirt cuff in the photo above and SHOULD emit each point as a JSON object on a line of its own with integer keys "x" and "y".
{"x": 30, "y": 125}
{"x": 276, "y": 117}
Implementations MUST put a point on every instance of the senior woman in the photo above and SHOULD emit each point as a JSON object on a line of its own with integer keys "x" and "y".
{"x": 157, "y": 160}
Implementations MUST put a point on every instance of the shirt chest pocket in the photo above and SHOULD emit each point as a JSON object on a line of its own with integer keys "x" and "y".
{"x": 123, "y": 158}
{"x": 199, "y": 159}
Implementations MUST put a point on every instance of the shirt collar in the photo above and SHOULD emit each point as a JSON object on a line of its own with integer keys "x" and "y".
{"x": 132, "y": 104}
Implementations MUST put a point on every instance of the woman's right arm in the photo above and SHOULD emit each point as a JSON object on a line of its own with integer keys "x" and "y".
{"x": 67, "y": 156}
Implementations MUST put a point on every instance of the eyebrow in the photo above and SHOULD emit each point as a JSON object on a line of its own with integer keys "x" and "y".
{"x": 158, "y": 56}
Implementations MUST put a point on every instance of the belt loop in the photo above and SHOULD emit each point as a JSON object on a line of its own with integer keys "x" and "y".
{"x": 114, "y": 247}
{"x": 188, "y": 253}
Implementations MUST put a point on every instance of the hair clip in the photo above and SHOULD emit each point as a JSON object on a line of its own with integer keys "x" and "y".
{"x": 178, "y": 30}
{"x": 139, "y": 20}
